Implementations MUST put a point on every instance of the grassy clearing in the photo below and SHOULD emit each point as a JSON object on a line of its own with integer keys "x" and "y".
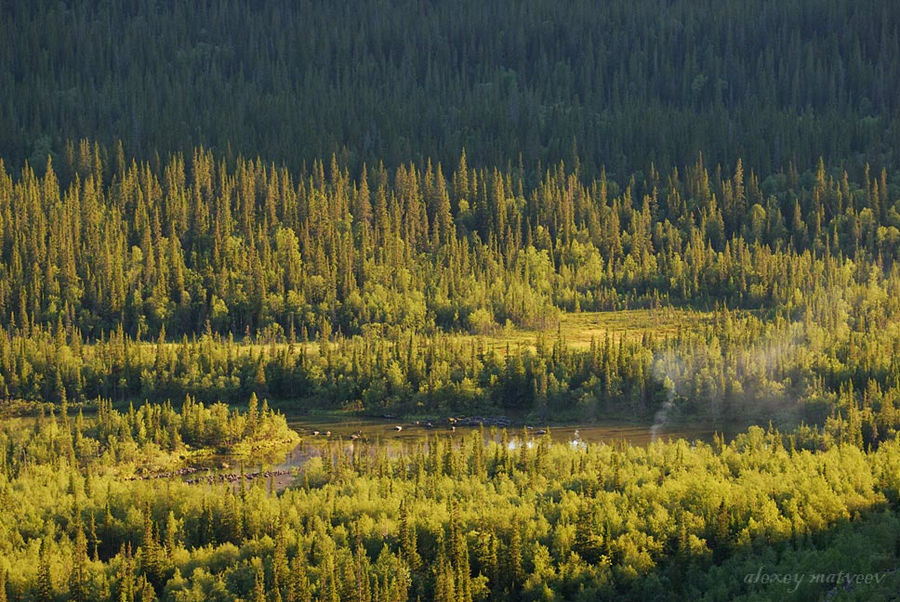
{"x": 579, "y": 329}
{"x": 576, "y": 329}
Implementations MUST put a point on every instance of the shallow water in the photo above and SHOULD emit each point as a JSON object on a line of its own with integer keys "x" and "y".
{"x": 321, "y": 435}
{"x": 316, "y": 433}
{"x": 372, "y": 429}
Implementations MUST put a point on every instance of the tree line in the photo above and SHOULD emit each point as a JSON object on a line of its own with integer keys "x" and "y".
{"x": 190, "y": 245}
{"x": 618, "y": 84}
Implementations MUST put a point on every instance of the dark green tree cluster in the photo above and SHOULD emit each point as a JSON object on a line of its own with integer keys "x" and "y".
{"x": 618, "y": 83}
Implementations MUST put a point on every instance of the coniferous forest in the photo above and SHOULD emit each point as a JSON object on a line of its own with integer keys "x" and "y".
{"x": 220, "y": 219}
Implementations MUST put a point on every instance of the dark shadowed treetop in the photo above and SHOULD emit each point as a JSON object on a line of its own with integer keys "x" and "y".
{"x": 621, "y": 83}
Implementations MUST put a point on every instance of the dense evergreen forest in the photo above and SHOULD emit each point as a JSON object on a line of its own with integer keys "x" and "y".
{"x": 621, "y": 83}
{"x": 415, "y": 209}
{"x": 134, "y": 280}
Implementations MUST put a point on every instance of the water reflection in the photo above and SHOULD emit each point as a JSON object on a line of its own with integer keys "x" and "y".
{"x": 393, "y": 436}
{"x": 374, "y": 429}
{"x": 365, "y": 438}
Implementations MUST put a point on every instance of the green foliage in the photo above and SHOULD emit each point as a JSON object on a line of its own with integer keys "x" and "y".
{"x": 152, "y": 437}
{"x": 466, "y": 213}
{"x": 278, "y": 258}
{"x": 672, "y": 519}
{"x": 184, "y": 249}
{"x": 622, "y": 83}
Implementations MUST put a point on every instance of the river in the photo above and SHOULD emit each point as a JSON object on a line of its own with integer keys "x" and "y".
{"x": 320, "y": 434}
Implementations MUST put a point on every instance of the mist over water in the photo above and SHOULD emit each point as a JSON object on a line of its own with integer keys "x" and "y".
{"x": 662, "y": 414}
{"x": 666, "y": 368}
{"x": 729, "y": 383}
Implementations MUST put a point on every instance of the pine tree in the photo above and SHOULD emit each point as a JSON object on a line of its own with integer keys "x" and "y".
{"x": 259, "y": 584}
{"x": 280, "y": 569}
{"x": 151, "y": 563}
{"x": 45, "y": 582}
{"x": 171, "y": 532}
{"x": 515, "y": 567}
{"x": 78, "y": 578}
{"x": 95, "y": 541}
{"x": 408, "y": 545}
{"x": 300, "y": 590}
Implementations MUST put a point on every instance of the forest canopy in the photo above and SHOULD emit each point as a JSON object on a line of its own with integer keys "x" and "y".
{"x": 633, "y": 212}
{"x": 621, "y": 84}
{"x": 494, "y": 516}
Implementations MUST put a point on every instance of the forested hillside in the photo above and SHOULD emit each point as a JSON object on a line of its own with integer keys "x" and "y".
{"x": 190, "y": 244}
{"x": 635, "y": 212}
{"x": 110, "y": 260}
{"x": 623, "y": 83}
